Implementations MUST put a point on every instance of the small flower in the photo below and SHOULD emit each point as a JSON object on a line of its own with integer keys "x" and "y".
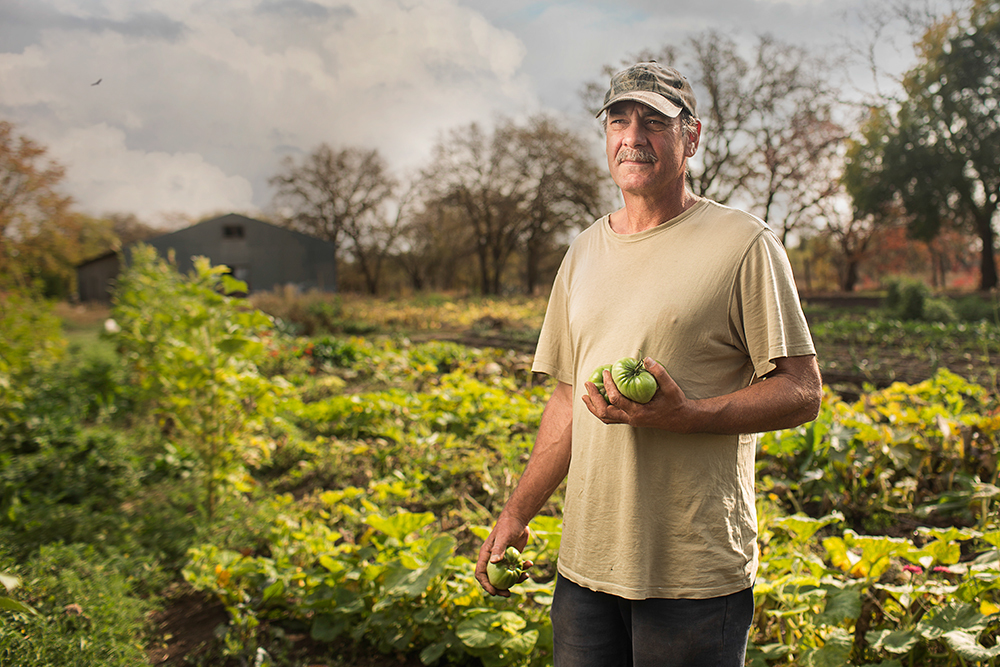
{"x": 913, "y": 569}
{"x": 111, "y": 326}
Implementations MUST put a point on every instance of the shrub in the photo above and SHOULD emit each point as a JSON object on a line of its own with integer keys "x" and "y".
{"x": 905, "y": 298}
{"x": 975, "y": 308}
{"x": 939, "y": 310}
{"x": 192, "y": 351}
{"x": 30, "y": 342}
{"x": 68, "y": 486}
{"x": 88, "y": 613}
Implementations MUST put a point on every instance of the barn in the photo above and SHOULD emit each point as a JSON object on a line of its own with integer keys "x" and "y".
{"x": 263, "y": 255}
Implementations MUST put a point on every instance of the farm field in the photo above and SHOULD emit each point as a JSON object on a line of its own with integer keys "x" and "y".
{"x": 206, "y": 486}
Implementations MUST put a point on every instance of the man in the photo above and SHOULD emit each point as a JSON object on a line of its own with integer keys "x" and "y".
{"x": 658, "y": 553}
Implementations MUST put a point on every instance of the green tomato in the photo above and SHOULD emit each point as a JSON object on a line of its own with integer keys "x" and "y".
{"x": 507, "y": 571}
{"x": 633, "y": 380}
{"x": 597, "y": 377}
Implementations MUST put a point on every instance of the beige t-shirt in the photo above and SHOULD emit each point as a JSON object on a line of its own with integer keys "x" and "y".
{"x": 710, "y": 295}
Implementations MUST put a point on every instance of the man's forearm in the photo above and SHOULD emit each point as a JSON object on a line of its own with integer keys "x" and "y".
{"x": 549, "y": 462}
{"x": 784, "y": 399}
{"x": 788, "y": 396}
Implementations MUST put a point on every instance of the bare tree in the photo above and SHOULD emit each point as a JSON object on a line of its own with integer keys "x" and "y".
{"x": 516, "y": 186}
{"x": 434, "y": 245}
{"x": 568, "y": 191}
{"x": 796, "y": 145}
{"x": 339, "y": 195}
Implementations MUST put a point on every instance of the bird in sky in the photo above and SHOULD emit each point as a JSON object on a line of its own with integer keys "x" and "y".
{"x": 97, "y": 82}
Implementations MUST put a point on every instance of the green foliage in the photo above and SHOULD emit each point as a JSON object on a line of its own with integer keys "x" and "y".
{"x": 875, "y": 599}
{"x": 191, "y": 350}
{"x": 343, "y": 567}
{"x": 909, "y": 299}
{"x": 870, "y": 459}
{"x": 85, "y": 611}
{"x": 30, "y": 342}
{"x": 73, "y": 476}
{"x": 365, "y": 482}
{"x": 976, "y": 308}
{"x": 906, "y": 298}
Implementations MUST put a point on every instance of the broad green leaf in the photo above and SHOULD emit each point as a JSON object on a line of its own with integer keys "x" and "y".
{"x": 939, "y": 551}
{"x": 954, "y": 616}
{"x": 482, "y": 631}
{"x": 835, "y": 651}
{"x": 968, "y": 647}
{"x": 326, "y": 629}
{"x": 549, "y": 530}
{"x": 951, "y": 534}
{"x": 992, "y": 537}
{"x": 841, "y": 604}
{"x": 431, "y": 654}
{"x": 401, "y": 524}
{"x": 231, "y": 285}
{"x": 511, "y": 622}
{"x": 14, "y": 605}
{"x": 481, "y": 532}
{"x": 804, "y": 527}
{"x": 877, "y": 552}
{"x": 443, "y": 546}
{"x": 275, "y": 590}
{"x": 775, "y": 651}
{"x": 521, "y": 642}
{"x": 836, "y": 551}
{"x": 331, "y": 564}
{"x": 893, "y": 641}
{"x": 233, "y": 344}
{"x": 410, "y": 585}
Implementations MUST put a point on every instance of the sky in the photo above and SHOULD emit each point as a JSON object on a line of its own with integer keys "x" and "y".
{"x": 177, "y": 110}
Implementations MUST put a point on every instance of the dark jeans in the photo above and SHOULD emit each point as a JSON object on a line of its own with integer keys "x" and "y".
{"x": 593, "y": 629}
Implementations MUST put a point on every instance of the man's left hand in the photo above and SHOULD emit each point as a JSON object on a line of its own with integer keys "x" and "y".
{"x": 665, "y": 410}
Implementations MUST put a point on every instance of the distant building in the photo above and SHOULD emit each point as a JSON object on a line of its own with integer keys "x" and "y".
{"x": 263, "y": 255}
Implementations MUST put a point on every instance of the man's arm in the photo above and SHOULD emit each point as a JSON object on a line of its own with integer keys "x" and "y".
{"x": 546, "y": 469}
{"x": 787, "y": 396}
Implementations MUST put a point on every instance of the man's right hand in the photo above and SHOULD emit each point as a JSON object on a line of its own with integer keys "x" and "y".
{"x": 506, "y": 533}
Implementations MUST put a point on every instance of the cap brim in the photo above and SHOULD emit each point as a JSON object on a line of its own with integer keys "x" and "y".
{"x": 652, "y": 100}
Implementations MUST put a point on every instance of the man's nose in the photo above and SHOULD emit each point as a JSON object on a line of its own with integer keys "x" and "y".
{"x": 635, "y": 134}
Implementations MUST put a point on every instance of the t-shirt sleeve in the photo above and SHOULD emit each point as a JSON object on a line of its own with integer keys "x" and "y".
{"x": 766, "y": 312}
{"x": 554, "y": 352}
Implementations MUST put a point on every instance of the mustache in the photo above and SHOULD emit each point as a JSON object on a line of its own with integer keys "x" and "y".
{"x": 634, "y": 155}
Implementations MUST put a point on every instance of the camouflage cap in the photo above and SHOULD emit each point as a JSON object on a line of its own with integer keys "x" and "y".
{"x": 662, "y": 88}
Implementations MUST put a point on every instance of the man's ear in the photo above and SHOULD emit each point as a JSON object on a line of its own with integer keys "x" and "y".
{"x": 694, "y": 138}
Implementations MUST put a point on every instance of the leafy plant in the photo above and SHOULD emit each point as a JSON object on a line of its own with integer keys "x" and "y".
{"x": 192, "y": 350}
{"x": 85, "y": 612}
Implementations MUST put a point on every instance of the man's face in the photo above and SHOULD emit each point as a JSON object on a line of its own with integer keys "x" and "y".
{"x": 647, "y": 151}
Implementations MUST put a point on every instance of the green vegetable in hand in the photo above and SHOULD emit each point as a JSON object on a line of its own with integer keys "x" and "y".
{"x": 633, "y": 380}
{"x": 597, "y": 377}
{"x": 507, "y": 571}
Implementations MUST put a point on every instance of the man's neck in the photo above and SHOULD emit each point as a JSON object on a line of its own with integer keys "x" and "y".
{"x": 641, "y": 213}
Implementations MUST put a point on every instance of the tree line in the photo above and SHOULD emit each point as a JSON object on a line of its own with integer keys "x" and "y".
{"x": 494, "y": 207}
{"x": 516, "y": 191}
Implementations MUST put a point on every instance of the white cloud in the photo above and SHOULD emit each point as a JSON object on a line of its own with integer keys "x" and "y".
{"x": 237, "y": 84}
{"x": 112, "y": 178}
